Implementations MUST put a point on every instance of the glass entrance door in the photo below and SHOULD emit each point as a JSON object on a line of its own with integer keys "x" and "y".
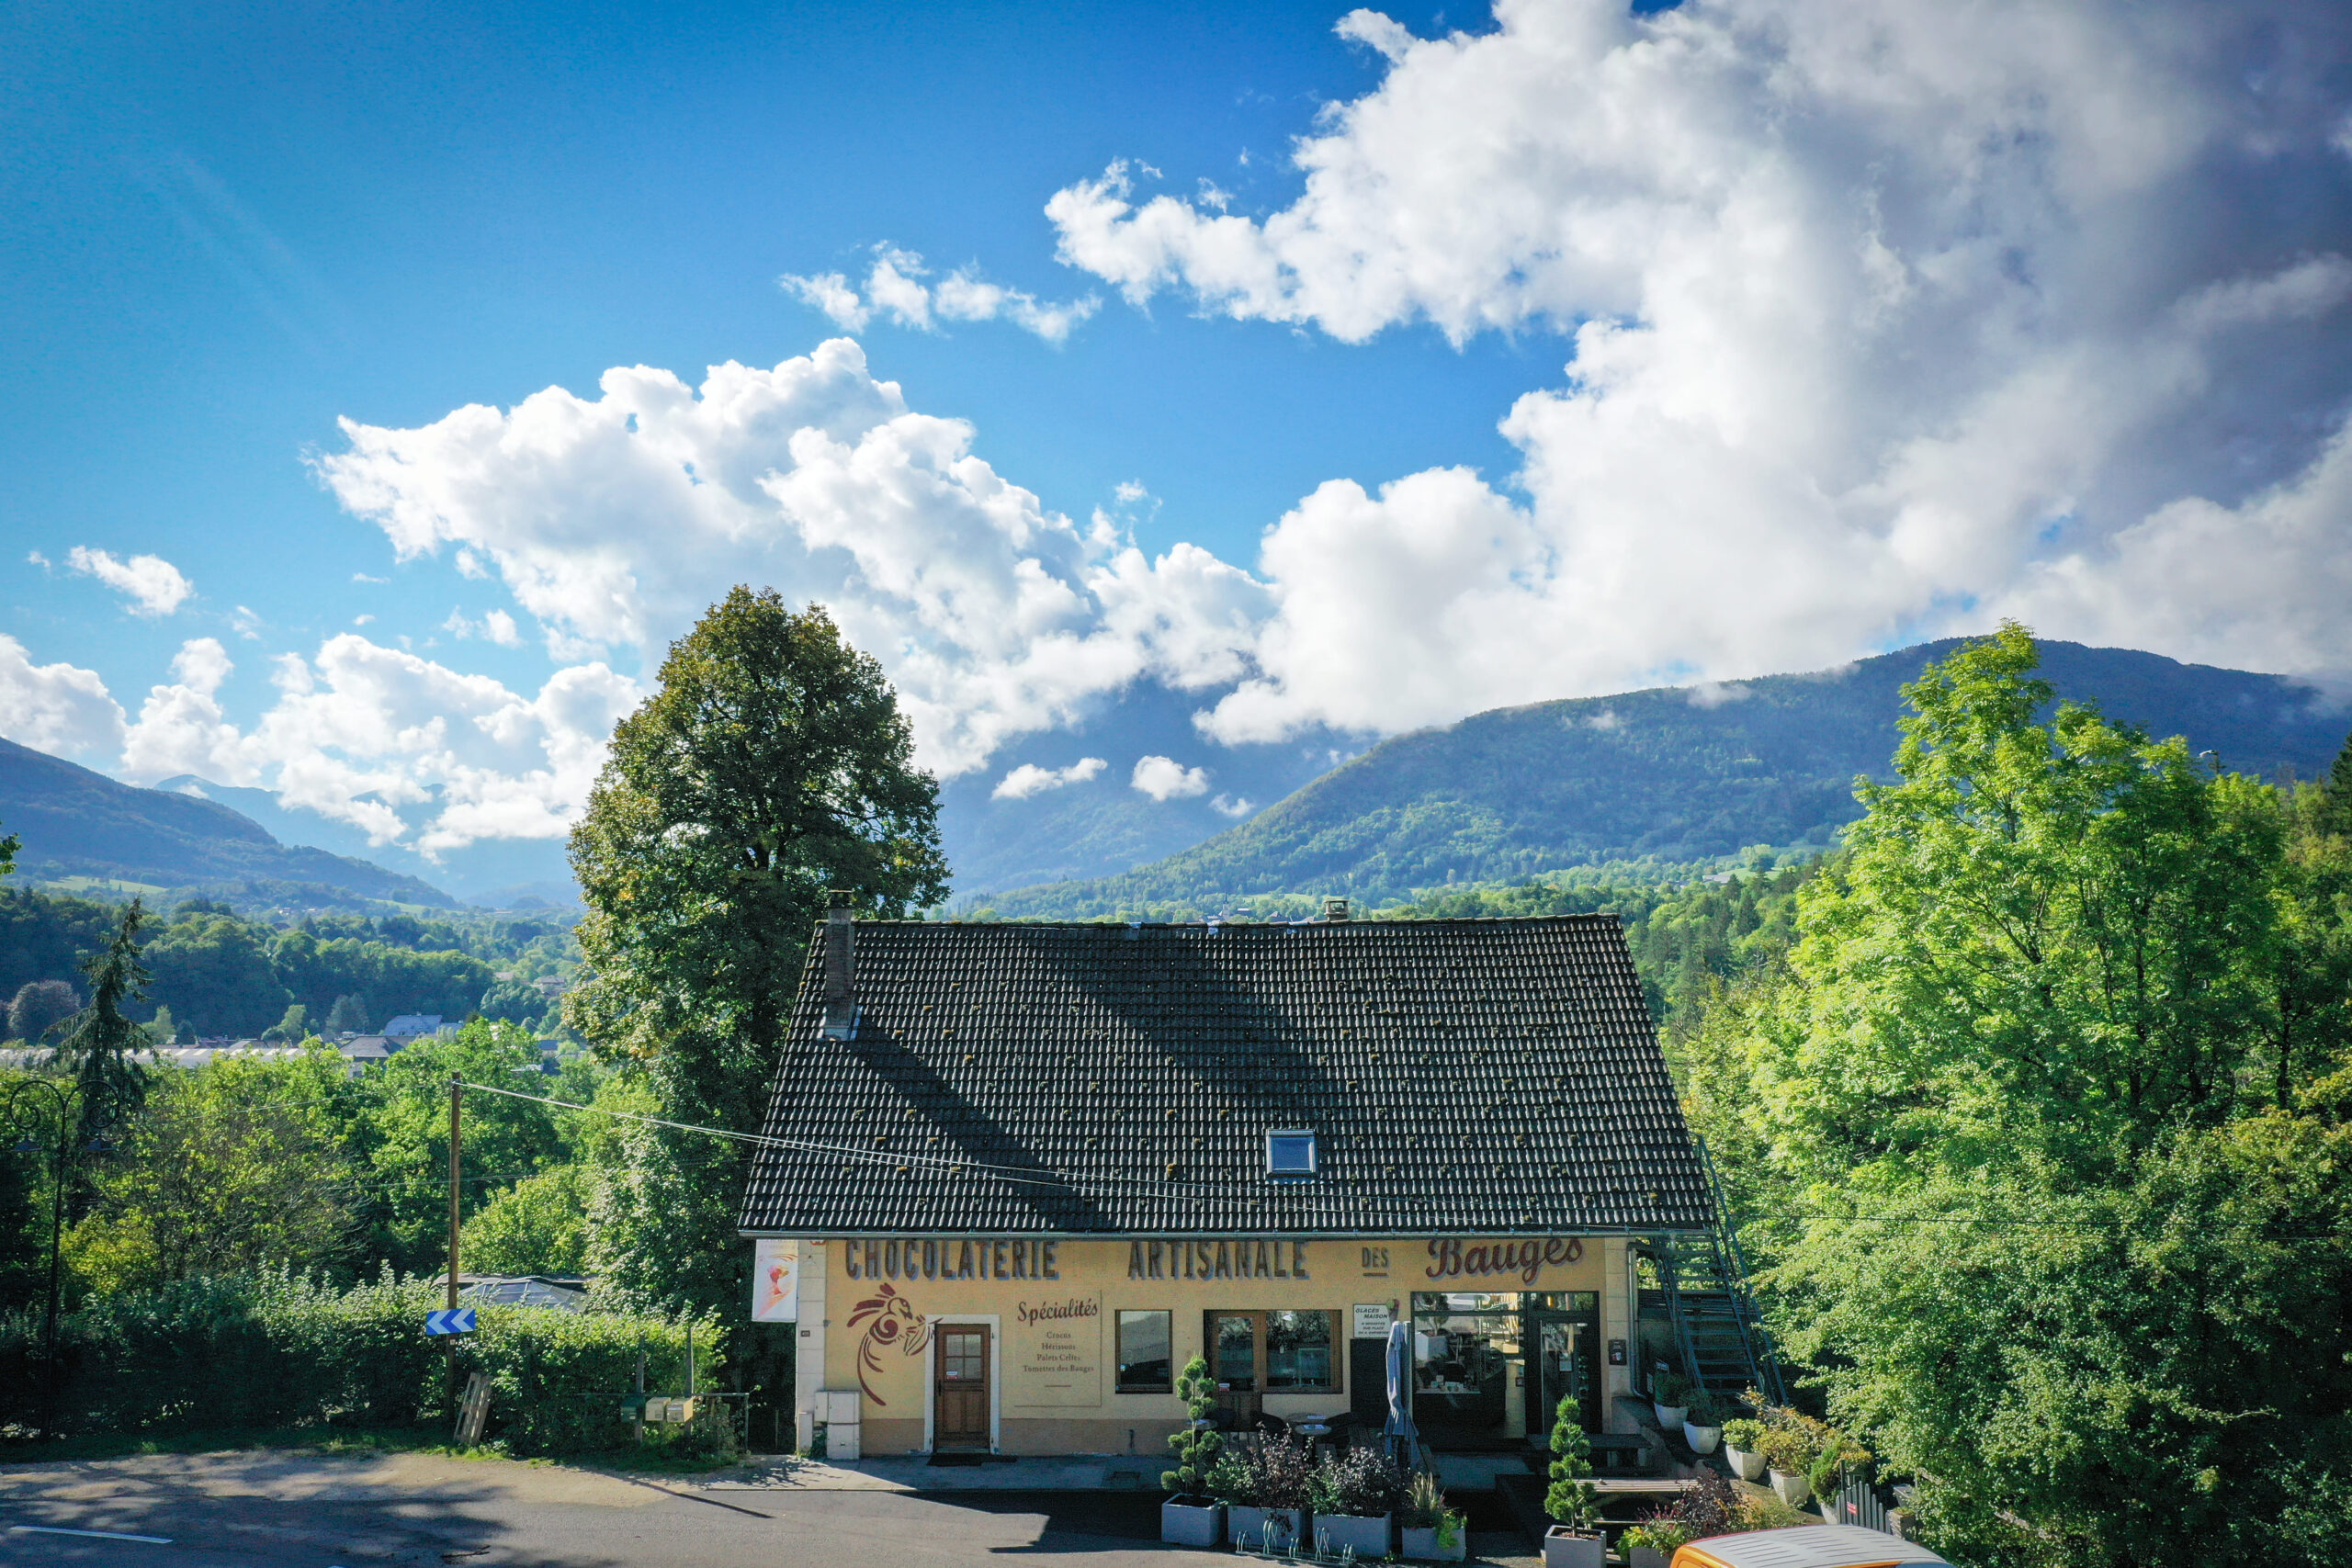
{"x": 1563, "y": 1368}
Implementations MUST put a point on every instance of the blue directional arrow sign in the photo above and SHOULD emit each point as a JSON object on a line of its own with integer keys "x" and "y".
{"x": 452, "y": 1320}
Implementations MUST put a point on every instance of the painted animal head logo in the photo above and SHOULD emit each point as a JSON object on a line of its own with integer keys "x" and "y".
{"x": 894, "y": 1322}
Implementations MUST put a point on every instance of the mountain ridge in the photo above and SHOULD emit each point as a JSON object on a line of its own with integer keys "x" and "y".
{"x": 1673, "y": 774}
{"x": 76, "y": 822}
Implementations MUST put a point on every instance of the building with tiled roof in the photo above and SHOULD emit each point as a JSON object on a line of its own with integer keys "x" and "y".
{"x": 1014, "y": 1175}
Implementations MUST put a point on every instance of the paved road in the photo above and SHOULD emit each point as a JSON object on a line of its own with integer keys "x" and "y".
{"x": 241, "y": 1510}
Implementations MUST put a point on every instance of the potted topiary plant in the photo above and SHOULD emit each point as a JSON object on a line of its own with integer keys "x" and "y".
{"x": 1190, "y": 1517}
{"x": 1702, "y": 1424}
{"x": 1270, "y": 1511}
{"x": 1654, "y": 1541}
{"x": 1740, "y": 1439}
{"x": 1574, "y": 1540}
{"x": 1668, "y": 1391}
{"x": 1354, "y": 1498}
{"x": 1426, "y": 1528}
{"x": 1787, "y": 1457}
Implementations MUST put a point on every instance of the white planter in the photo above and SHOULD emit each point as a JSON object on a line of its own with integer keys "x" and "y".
{"x": 1562, "y": 1549}
{"x": 1246, "y": 1526}
{"x": 1669, "y": 1416}
{"x": 1424, "y": 1545}
{"x": 1368, "y": 1533}
{"x": 1702, "y": 1439}
{"x": 1645, "y": 1557}
{"x": 1188, "y": 1524}
{"x": 1749, "y": 1465}
{"x": 1794, "y": 1489}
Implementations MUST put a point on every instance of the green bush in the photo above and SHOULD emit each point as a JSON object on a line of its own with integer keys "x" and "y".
{"x": 279, "y": 1349}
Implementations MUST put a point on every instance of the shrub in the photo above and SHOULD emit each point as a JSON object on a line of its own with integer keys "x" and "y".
{"x": 1787, "y": 1450}
{"x": 276, "y": 1349}
{"x": 1424, "y": 1506}
{"x": 1360, "y": 1483}
{"x": 1704, "y": 1411}
{"x": 1743, "y": 1433}
{"x": 1195, "y": 1447}
{"x": 1659, "y": 1533}
{"x": 1280, "y": 1471}
{"x": 1228, "y": 1479}
{"x": 1669, "y": 1388}
{"x": 1572, "y": 1499}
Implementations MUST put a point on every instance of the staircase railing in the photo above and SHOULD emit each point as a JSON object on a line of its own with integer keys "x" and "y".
{"x": 1755, "y": 1338}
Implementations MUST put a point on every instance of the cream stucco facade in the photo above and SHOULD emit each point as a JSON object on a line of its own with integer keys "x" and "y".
{"x": 872, "y": 1309}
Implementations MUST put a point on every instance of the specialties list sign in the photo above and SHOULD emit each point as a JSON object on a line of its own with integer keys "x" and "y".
{"x": 1057, "y": 1353}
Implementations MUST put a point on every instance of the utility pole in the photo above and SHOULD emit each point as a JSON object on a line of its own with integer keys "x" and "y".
{"x": 449, "y": 1343}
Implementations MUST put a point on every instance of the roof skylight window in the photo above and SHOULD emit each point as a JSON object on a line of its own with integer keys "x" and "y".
{"x": 1290, "y": 1154}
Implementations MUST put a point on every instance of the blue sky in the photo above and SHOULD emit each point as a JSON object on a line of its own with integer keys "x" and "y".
{"x": 1411, "y": 364}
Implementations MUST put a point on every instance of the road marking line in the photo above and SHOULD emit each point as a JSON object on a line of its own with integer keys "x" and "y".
{"x": 94, "y": 1535}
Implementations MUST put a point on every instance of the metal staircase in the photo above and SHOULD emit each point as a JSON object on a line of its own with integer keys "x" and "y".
{"x": 1722, "y": 1336}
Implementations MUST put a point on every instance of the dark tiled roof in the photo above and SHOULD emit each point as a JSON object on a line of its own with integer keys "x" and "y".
{"x": 1462, "y": 1075}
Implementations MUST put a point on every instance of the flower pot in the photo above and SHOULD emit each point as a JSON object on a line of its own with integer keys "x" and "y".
{"x": 1645, "y": 1557}
{"x": 1245, "y": 1525}
{"x": 1368, "y": 1533}
{"x": 1702, "y": 1439}
{"x": 1669, "y": 1416}
{"x": 1794, "y": 1489}
{"x": 1190, "y": 1521}
{"x": 1751, "y": 1466}
{"x": 1828, "y": 1511}
{"x": 1564, "y": 1550}
{"x": 1423, "y": 1544}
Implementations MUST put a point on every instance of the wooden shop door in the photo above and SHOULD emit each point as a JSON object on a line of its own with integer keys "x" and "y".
{"x": 960, "y": 1417}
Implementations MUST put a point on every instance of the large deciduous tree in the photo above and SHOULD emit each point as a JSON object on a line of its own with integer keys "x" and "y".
{"x": 2047, "y": 1113}
{"x": 772, "y": 766}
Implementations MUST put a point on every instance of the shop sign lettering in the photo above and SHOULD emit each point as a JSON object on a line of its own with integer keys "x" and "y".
{"x": 1242, "y": 1258}
{"x": 950, "y": 1257}
{"x": 1486, "y": 1259}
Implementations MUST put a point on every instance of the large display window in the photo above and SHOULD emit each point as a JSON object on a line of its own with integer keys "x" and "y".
{"x": 1490, "y": 1367}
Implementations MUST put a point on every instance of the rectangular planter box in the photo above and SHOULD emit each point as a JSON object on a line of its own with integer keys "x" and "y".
{"x": 1645, "y": 1557}
{"x": 1246, "y": 1526}
{"x": 1423, "y": 1544}
{"x": 1562, "y": 1549}
{"x": 1367, "y": 1534}
{"x": 1181, "y": 1524}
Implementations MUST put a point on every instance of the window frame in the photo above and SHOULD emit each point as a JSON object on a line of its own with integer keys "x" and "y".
{"x": 1259, "y": 1370}
{"x": 1314, "y": 1155}
{"x": 1118, "y": 1357}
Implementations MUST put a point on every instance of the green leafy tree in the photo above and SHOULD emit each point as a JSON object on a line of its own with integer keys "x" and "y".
{"x": 162, "y": 1028}
{"x": 2044, "y": 1116}
{"x": 516, "y": 1001}
{"x": 292, "y": 1027}
{"x": 235, "y": 1165}
{"x": 401, "y": 1124}
{"x": 1572, "y": 1499}
{"x": 540, "y": 1225}
{"x": 771, "y": 765}
{"x": 2335, "y": 817}
{"x": 40, "y": 1006}
{"x": 349, "y": 1014}
{"x": 214, "y": 970}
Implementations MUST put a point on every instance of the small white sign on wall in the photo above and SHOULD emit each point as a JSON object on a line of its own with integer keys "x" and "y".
{"x": 775, "y": 1281}
{"x": 1372, "y": 1319}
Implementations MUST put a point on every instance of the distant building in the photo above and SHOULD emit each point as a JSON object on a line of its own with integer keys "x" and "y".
{"x": 365, "y": 1048}
{"x": 413, "y": 1026}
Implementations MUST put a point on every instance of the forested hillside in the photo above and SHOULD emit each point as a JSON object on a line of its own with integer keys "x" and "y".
{"x": 218, "y": 973}
{"x": 1672, "y": 775}
{"x": 75, "y": 822}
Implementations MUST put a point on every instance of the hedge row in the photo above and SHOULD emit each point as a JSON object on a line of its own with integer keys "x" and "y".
{"x": 279, "y": 1349}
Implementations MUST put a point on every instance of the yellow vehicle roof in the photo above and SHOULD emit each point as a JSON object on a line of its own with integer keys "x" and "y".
{"x": 1804, "y": 1546}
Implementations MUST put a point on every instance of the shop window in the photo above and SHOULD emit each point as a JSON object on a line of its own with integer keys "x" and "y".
{"x": 1274, "y": 1352}
{"x": 1145, "y": 1361}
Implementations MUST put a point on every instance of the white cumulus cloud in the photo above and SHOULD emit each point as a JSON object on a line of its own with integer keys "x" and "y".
{"x": 616, "y": 521}
{"x": 1029, "y": 779}
{"x": 1164, "y": 778}
{"x": 895, "y": 288}
{"x": 60, "y": 708}
{"x": 153, "y": 586}
{"x": 1878, "y": 314}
